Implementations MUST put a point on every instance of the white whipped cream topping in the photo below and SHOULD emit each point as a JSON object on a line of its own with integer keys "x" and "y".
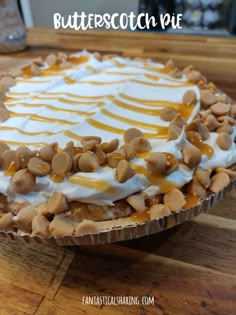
{"x": 51, "y": 97}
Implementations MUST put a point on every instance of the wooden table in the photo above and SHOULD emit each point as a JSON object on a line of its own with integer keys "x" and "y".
{"x": 190, "y": 269}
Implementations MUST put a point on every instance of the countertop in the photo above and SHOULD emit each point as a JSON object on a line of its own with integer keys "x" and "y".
{"x": 189, "y": 269}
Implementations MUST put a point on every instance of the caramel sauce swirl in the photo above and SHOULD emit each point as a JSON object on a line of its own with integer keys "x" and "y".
{"x": 160, "y": 134}
{"x": 162, "y": 131}
{"x": 161, "y": 181}
{"x": 205, "y": 149}
{"x": 93, "y": 183}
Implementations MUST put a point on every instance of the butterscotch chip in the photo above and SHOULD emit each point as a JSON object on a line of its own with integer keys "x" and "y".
{"x": 51, "y": 60}
{"x": 224, "y": 141}
{"x": 192, "y": 156}
{"x": 157, "y": 163}
{"x": 38, "y": 167}
{"x": 40, "y": 226}
{"x": 194, "y": 76}
{"x": 137, "y": 201}
{"x": 204, "y": 132}
{"x": 129, "y": 151}
{"x": 109, "y": 147}
{"x": 10, "y": 158}
{"x": 61, "y": 228}
{"x": 225, "y": 127}
{"x": 168, "y": 113}
{"x": 223, "y": 98}
{"x": 88, "y": 162}
{"x": 61, "y": 163}
{"x": 192, "y": 135}
{"x": 221, "y": 109}
{"x": 88, "y": 138}
{"x": 203, "y": 176}
{"x": 230, "y": 173}
{"x": 3, "y": 147}
{"x": 219, "y": 182}
{"x": 61, "y": 56}
{"x": 174, "y": 132}
{"x": 159, "y": 211}
{"x": 205, "y": 114}
{"x": 25, "y": 154}
{"x": 4, "y": 114}
{"x": 124, "y": 171}
{"x": 195, "y": 188}
{"x": 38, "y": 62}
{"x": 212, "y": 87}
{"x": 75, "y": 162}
{"x": 174, "y": 200}
{"x": 70, "y": 149}
{"x": 170, "y": 64}
{"x": 233, "y": 111}
{"x": 25, "y": 217}
{"x": 194, "y": 125}
{"x": 188, "y": 69}
{"x": 6, "y": 222}
{"x": 208, "y": 99}
{"x": 189, "y": 97}
{"x": 57, "y": 203}
{"x": 202, "y": 84}
{"x": 176, "y": 73}
{"x": 35, "y": 70}
{"x": 178, "y": 121}
{"x": 229, "y": 119}
{"x": 211, "y": 123}
{"x": 89, "y": 145}
{"x": 101, "y": 155}
{"x": 22, "y": 182}
{"x": 47, "y": 153}
{"x": 131, "y": 134}
{"x": 140, "y": 144}
{"x": 86, "y": 227}
{"x": 115, "y": 157}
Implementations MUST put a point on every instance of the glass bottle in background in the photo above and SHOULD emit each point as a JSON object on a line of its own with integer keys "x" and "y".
{"x": 12, "y": 29}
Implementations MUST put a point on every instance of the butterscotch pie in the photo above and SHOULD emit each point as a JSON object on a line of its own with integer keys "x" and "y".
{"x": 89, "y": 144}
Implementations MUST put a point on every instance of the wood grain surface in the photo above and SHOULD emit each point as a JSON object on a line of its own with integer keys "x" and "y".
{"x": 190, "y": 269}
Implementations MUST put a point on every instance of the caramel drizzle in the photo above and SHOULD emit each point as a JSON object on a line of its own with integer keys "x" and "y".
{"x": 72, "y": 81}
{"x": 120, "y": 131}
{"x": 69, "y": 102}
{"x": 43, "y": 119}
{"x": 33, "y": 81}
{"x": 205, "y": 149}
{"x": 17, "y": 143}
{"x": 93, "y": 183}
{"x": 147, "y": 75}
{"x": 72, "y": 135}
{"x": 53, "y": 108}
{"x": 171, "y": 86}
{"x": 96, "y": 98}
{"x": 28, "y": 133}
{"x": 184, "y": 110}
{"x": 159, "y": 129}
{"x": 55, "y": 69}
{"x": 151, "y": 112}
{"x": 161, "y": 181}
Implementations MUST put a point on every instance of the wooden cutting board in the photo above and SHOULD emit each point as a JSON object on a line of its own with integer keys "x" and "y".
{"x": 189, "y": 269}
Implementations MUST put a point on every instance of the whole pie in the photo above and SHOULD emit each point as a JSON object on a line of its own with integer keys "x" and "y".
{"x": 89, "y": 143}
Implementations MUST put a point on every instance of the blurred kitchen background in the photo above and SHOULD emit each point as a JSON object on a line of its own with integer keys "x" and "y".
{"x": 216, "y": 17}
